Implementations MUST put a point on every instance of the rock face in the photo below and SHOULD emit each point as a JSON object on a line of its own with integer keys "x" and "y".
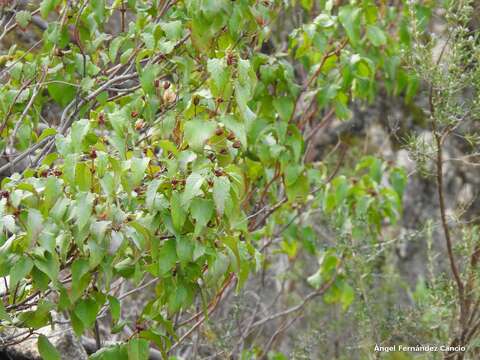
{"x": 67, "y": 344}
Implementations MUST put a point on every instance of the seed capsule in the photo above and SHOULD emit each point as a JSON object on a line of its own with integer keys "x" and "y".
{"x": 230, "y": 59}
{"x": 101, "y": 119}
{"x": 139, "y": 124}
{"x": 169, "y": 96}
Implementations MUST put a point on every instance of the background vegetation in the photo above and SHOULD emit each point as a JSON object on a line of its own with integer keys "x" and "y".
{"x": 216, "y": 179}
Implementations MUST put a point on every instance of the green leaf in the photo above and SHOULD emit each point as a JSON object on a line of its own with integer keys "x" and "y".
{"x": 34, "y": 225}
{"x": 192, "y": 188}
{"x": 83, "y": 209}
{"x": 232, "y": 243}
{"x": 99, "y": 10}
{"x": 167, "y": 257}
{"x": 52, "y": 191}
{"x": 219, "y": 73}
{"x": 347, "y": 295}
{"x": 349, "y": 17}
{"x": 116, "y": 352}
{"x": 376, "y": 35}
{"x": 363, "y": 67}
{"x": 341, "y": 188}
{"x": 218, "y": 268}
{"x": 177, "y": 211}
{"x": 38, "y": 318}
{"x": 115, "y": 307}
{"x": 221, "y": 190}
{"x": 138, "y": 349}
{"x": 284, "y": 106}
{"x": 138, "y": 168}
{"x": 237, "y": 127}
{"x": 152, "y": 193}
{"x": 185, "y": 249}
{"x": 86, "y": 310}
{"x": 143, "y": 232}
{"x": 173, "y": 29}
{"x": 147, "y": 78}
{"x": 80, "y": 130}
{"x": 316, "y": 280}
{"x": 197, "y": 132}
{"x": 20, "y": 270}
{"x": 201, "y": 211}
{"x": 398, "y": 179}
{"x": 83, "y": 177}
{"x": 80, "y": 281}
{"x": 3, "y": 313}
{"x": 49, "y": 265}
{"x": 46, "y": 349}
{"x": 201, "y": 32}
{"x": 62, "y": 93}
{"x": 46, "y": 6}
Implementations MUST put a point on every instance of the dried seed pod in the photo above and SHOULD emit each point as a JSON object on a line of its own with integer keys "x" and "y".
{"x": 101, "y": 119}
{"x": 231, "y": 136}
{"x": 169, "y": 96}
{"x": 134, "y": 114}
{"x": 224, "y": 151}
{"x": 219, "y": 131}
{"x": 231, "y": 59}
{"x": 260, "y": 21}
{"x": 211, "y": 156}
{"x": 237, "y": 144}
{"x": 139, "y": 124}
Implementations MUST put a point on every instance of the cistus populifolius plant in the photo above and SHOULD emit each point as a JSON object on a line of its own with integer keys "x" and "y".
{"x": 165, "y": 142}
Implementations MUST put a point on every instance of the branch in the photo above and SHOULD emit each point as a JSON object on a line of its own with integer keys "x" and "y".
{"x": 446, "y": 229}
{"x": 297, "y": 307}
